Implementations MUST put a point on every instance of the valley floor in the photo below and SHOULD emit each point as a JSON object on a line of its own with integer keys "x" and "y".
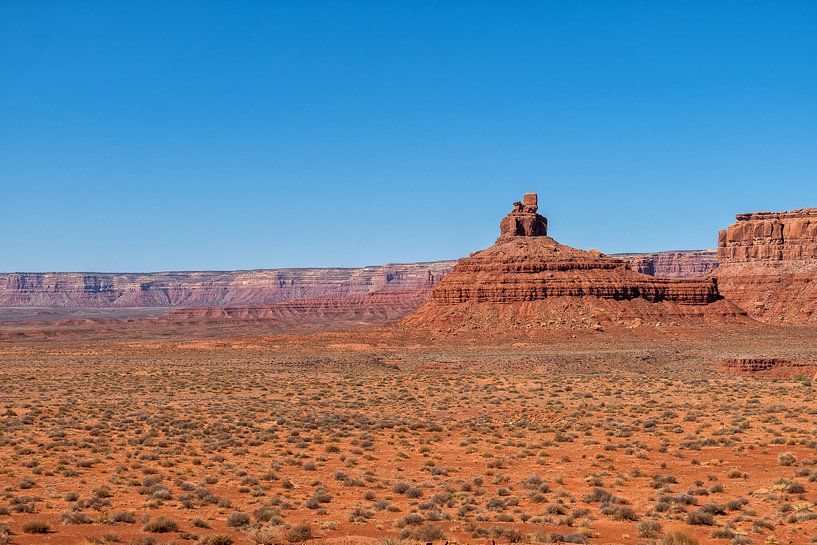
{"x": 366, "y": 436}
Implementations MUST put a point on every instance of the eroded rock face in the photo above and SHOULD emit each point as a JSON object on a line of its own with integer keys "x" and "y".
{"x": 770, "y": 237}
{"x": 528, "y": 280}
{"x": 768, "y": 265}
{"x": 408, "y": 285}
{"x": 536, "y": 268}
{"x": 524, "y": 220}
{"x": 673, "y": 264}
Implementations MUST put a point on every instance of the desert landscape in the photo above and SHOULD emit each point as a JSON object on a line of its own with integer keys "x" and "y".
{"x": 399, "y": 272}
{"x": 529, "y": 393}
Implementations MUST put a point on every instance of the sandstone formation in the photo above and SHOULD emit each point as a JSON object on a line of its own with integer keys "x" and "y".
{"x": 673, "y": 264}
{"x": 768, "y": 265}
{"x": 528, "y": 280}
{"x": 770, "y": 237}
{"x": 214, "y": 289}
{"x": 286, "y": 299}
{"x": 524, "y": 220}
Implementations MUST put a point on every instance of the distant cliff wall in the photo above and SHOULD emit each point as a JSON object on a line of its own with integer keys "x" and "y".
{"x": 217, "y": 289}
{"x": 673, "y": 264}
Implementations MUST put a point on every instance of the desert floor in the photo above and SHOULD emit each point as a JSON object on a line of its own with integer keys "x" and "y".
{"x": 367, "y": 436}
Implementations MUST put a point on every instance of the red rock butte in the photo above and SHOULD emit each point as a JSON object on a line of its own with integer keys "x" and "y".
{"x": 768, "y": 265}
{"x": 528, "y": 280}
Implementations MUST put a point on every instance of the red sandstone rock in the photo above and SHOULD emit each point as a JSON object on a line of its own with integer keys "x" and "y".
{"x": 292, "y": 298}
{"x": 768, "y": 265}
{"x": 673, "y": 264}
{"x": 524, "y": 221}
{"x": 769, "y": 237}
{"x": 532, "y": 281}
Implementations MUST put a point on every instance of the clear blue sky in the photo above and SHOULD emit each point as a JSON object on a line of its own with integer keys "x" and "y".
{"x": 220, "y": 135}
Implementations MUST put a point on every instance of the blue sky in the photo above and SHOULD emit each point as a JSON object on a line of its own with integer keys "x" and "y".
{"x": 222, "y": 135}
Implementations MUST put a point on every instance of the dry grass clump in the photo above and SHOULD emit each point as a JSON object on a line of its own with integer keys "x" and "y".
{"x": 299, "y": 533}
{"x": 36, "y": 527}
{"x": 161, "y": 525}
{"x": 678, "y": 537}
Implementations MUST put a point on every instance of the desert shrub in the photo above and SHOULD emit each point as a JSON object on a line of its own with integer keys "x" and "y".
{"x": 413, "y": 493}
{"x": 619, "y": 512}
{"x": 300, "y": 532}
{"x": 713, "y": 509}
{"x": 102, "y": 492}
{"x": 162, "y": 494}
{"x": 75, "y": 517}
{"x": 238, "y": 520}
{"x": 125, "y": 517}
{"x": 790, "y": 486}
{"x": 268, "y": 514}
{"x": 513, "y": 535}
{"x": 360, "y": 514}
{"x": 661, "y": 480}
{"x": 762, "y": 524}
{"x": 649, "y": 528}
{"x": 36, "y": 527}
{"x": 700, "y": 518}
{"x": 564, "y": 538}
{"x": 412, "y": 519}
{"x": 216, "y": 539}
{"x": 199, "y": 523}
{"x": 265, "y": 535}
{"x": 161, "y": 525}
{"x": 679, "y": 537}
{"x": 786, "y": 459}
{"x": 428, "y": 532}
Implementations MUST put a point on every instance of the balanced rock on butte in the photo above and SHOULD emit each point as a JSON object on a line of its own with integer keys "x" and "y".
{"x": 529, "y": 281}
{"x": 768, "y": 265}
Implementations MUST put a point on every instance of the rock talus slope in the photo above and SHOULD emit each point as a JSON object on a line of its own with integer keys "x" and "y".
{"x": 527, "y": 280}
{"x": 768, "y": 265}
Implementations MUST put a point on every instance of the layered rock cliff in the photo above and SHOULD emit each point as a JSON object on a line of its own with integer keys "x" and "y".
{"x": 406, "y": 285}
{"x": 673, "y": 264}
{"x": 768, "y": 265}
{"x": 528, "y": 280}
